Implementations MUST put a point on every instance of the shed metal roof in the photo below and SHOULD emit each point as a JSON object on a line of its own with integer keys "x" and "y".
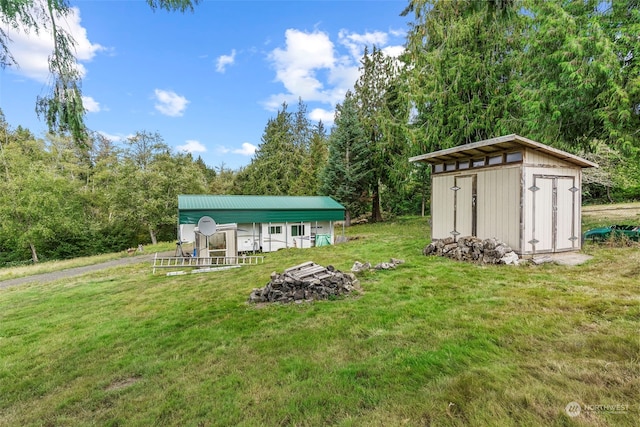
{"x": 258, "y": 209}
{"x": 493, "y": 145}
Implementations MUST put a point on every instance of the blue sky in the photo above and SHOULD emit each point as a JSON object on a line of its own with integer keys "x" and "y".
{"x": 207, "y": 81}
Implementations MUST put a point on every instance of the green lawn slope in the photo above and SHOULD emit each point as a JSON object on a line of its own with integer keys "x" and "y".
{"x": 433, "y": 342}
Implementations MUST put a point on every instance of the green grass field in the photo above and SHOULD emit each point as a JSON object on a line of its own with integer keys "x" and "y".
{"x": 433, "y": 342}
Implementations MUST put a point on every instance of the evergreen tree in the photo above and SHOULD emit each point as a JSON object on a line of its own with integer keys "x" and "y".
{"x": 269, "y": 172}
{"x": 224, "y": 181}
{"x": 277, "y": 164}
{"x": 208, "y": 172}
{"x": 383, "y": 119}
{"x": 317, "y": 158}
{"x": 571, "y": 85}
{"x": 347, "y": 174}
{"x": 563, "y": 73}
{"x": 463, "y": 63}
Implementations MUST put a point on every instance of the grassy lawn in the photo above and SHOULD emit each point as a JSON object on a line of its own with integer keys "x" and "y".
{"x": 433, "y": 342}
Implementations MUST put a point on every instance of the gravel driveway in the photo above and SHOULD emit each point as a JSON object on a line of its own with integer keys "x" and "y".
{"x": 78, "y": 271}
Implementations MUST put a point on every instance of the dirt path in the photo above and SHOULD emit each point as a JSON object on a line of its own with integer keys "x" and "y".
{"x": 78, "y": 271}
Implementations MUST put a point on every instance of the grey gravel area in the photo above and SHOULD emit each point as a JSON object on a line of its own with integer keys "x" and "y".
{"x": 78, "y": 271}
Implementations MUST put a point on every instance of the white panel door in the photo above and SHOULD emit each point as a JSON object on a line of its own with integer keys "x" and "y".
{"x": 465, "y": 206}
{"x": 542, "y": 215}
{"x": 553, "y": 213}
{"x": 565, "y": 237}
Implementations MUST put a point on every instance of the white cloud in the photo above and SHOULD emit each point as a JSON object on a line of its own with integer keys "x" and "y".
{"x": 170, "y": 103}
{"x": 327, "y": 116}
{"x": 90, "y": 104}
{"x": 31, "y": 50}
{"x": 192, "y": 146}
{"x": 224, "y": 60}
{"x": 297, "y": 65}
{"x": 356, "y": 43}
{"x": 111, "y": 137}
{"x": 246, "y": 150}
{"x": 393, "y": 51}
{"x": 402, "y": 33}
{"x": 312, "y": 67}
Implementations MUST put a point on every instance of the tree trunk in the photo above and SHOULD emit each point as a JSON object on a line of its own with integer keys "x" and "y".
{"x": 347, "y": 218}
{"x": 34, "y": 254}
{"x": 376, "y": 214}
{"x": 154, "y": 238}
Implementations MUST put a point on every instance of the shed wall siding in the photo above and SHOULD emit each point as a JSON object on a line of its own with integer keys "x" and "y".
{"x": 498, "y": 206}
{"x": 537, "y": 158}
{"x": 442, "y": 200}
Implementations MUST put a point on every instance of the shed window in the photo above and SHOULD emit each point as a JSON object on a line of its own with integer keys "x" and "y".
{"x": 275, "y": 229}
{"x": 463, "y": 165}
{"x": 438, "y": 168}
{"x": 514, "y": 157}
{"x": 450, "y": 167}
{"x": 478, "y": 163}
{"x": 297, "y": 230}
{"x": 495, "y": 160}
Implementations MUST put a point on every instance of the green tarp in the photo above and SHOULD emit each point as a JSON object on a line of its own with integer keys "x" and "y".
{"x": 323, "y": 239}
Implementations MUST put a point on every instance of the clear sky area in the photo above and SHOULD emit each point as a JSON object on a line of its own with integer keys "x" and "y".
{"x": 207, "y": 81}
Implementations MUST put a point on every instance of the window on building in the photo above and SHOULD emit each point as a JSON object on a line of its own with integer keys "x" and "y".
{"x": 297, "y": 230}
{"x": 514, "y": 157}
{"x": 438, "y": 168}
{"x": 495, "y": 160}
{"x": 275, "y": 229}
{"x": 463, "y": 164}
{"x": 450, "y": 167}
{"x": 477, "y": 163}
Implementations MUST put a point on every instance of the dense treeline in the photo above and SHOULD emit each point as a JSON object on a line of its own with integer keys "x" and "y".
{"x": 60, "y": 201}
{"x": 562, "y": 73}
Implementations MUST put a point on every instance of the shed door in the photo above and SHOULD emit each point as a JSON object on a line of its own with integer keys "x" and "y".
{"x": 465, "y": 206}
{"x": 554, "y": 210}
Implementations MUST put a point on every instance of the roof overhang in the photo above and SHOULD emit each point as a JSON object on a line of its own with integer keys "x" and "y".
{"x": 499, "y": 144}
{"x": 258, "y": 209}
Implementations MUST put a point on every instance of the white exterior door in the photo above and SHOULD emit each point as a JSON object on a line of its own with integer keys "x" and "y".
{"x": 465, "y": 206}
{"x": 554, "y": 209}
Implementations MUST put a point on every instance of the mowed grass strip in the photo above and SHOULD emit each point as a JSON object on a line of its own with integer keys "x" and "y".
{"x": 433, "y": 342}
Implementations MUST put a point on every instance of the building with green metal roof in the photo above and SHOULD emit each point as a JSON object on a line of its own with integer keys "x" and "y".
{"x": 264, "y": 223}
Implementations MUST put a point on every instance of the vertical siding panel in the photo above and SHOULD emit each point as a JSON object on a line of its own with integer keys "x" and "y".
{"x": 566, "y": 215}
{"x": 442, "y": 207}
{"x": 464, "y": 208}
{"x": 481, "y": 205}
{"x": 542, "y": 215}
{"x": 499, "y": 205}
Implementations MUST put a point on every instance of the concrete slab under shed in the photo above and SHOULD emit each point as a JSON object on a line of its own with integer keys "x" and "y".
{"x": 562, "y": 258}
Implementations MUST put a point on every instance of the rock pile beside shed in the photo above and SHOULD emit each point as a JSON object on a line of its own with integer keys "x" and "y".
{"x": 473, "y": 249}
{"x": 305, "y": 282}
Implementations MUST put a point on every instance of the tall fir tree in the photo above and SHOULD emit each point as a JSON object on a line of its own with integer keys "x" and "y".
{"x": 463, "y": 62}
{"x": 347, "y": 174}
{"x": 275, "y": 164}
{"x": 383, "y": 119}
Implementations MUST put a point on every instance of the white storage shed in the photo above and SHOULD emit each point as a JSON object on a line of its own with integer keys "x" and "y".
{"x": 520, "y": 191}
